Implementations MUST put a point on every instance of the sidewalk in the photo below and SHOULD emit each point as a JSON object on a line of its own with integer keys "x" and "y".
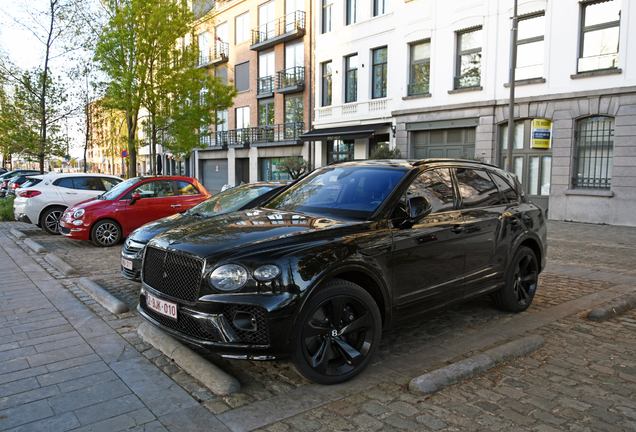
{"x": 63, "y": 368}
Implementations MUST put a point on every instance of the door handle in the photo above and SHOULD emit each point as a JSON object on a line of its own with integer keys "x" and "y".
{"x": 175, "y": 205}
{"x": 457, "y": 229}
{"x": 71, "y": 193}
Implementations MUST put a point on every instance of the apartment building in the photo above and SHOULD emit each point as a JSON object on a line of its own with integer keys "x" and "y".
{"x": 432, "y": 79}
{"x": 264, "y": 48}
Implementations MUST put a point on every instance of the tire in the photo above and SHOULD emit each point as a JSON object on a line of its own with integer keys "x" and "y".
{"x": 106, "y": 233}
{"x": 50, "y": 220}
{"x": 338, "y": 333}
{"x": 520, "y": 282}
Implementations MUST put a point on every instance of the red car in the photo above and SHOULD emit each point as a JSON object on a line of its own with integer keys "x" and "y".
{"x": 113, "y": 215}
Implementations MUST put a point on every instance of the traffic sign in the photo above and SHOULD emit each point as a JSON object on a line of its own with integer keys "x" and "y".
{"x": 124, "y": 153}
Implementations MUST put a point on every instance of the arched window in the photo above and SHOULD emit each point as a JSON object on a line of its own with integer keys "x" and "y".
{"x": 594, "y": 147}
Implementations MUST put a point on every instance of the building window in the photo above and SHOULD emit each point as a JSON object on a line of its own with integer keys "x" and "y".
{"x": 351, "y": 78}
{"x": 352, "y": 12}
{"x": 379, "y": 72}
{"x": 242, "y": 76}
{"x": 221, "y": 125}
{"x": 204, "y": 48}
{"x": 468, "y": 71}
{"x": 267, "y": 20}
{"x": 293, "y": 117}
{"x": 530, "y": 47}
{"x": 242, "y": 28}
{"x": 327, "y": 6}
{"x": 326, "y": 84}
{"x": 594, "y": 147}
{"x": 242, "y": 124}
{"x": 600, "y": 25}
{"x": 266, "y": 71}
{"x": 338, "y": 150}
{"x": 379, "y": 7}
{"x": 420, "y": 68}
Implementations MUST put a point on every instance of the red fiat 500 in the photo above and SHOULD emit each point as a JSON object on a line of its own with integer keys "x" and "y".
{"x": 113, "y": 215}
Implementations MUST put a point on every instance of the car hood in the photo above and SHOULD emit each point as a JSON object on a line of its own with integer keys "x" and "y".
{"x": 252, "y": 230}
{"x": 146, "y": 232}
{"x": 91, "y": 204}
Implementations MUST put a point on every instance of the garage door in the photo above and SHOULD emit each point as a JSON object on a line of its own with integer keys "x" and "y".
{"x": 447, "y": 143}
{"x": 213, "y": 174}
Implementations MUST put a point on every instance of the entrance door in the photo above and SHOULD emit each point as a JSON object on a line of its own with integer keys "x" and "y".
{"x": 444, "y": 143}
{"x": 533, "y": 166}
{"x": 213, "y": 174}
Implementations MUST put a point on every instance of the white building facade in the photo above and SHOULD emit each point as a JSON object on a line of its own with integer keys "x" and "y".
{"x": 432, "y": 79}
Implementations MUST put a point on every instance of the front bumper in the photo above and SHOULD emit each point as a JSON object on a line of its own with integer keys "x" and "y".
{"x": 132, "y": 252}
{"x": 246, "y": 328}
{"x": 81, "y": 232}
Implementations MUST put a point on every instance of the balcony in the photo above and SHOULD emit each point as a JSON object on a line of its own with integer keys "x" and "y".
{"x": 278, "y": 134}
{"x": 290, "y": 80}
{"x": 265, "y": 87}
{"x": 217, "y": 54}
{"x": 284, "y": 29}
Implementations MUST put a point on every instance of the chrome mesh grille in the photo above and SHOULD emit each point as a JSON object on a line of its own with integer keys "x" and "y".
{"x": 184, "y": 324}
{"x": 261, "y": 335}
{"x": 176, "y": 275}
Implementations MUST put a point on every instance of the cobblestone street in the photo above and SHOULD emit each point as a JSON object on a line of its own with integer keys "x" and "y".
{"x": 583, "y": 379}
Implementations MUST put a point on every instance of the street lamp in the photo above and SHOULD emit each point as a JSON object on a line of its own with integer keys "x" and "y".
{"x": 511, "y": 107}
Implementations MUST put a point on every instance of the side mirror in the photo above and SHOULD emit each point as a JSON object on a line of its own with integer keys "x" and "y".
{"x": 419, "y": 208}
{"x": 134, "y": 198}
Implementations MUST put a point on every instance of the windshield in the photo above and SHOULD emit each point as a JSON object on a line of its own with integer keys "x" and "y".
{"x": 230, "y": 200}
{"x": 346, "y": 191}
{"x": 119, "y": 189}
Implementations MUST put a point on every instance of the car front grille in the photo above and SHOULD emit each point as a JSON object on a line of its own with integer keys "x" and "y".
{"x": 261, "y": 335}
{"x": 173, "y": 274}
{"x": 64, "y": 230}
{"x": 131, "y": 248}
{"x": 184, "y": 324}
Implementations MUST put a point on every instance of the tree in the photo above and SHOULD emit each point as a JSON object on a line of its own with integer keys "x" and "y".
{"x": 138, "y": 52}
{"x": 40, "y": 96}
{"x": 294, "y": 166}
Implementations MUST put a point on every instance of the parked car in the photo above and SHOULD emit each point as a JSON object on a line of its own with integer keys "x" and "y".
{"x": 353, "y": 247}
{"x": 132, "y": 203}
{"x": 7, "y": 177}
{"x": 3, "y": 170}
{"x": 43, "y": 203}
{"x": 236, "y": 198}
{"x": 15, "y": 183}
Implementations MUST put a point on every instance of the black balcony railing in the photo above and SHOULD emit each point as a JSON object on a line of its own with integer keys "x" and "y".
{"x": 265, "y": 85}
{"x": 292, "y": 77}
{"x": 418, "y": 89}
{"x": 289, "y": 23}
{"x": 259, "y": 134}
{"x": 217, "y": 53}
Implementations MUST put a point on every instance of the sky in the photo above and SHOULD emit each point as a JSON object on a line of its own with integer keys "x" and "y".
{"x": 27, "y": 52}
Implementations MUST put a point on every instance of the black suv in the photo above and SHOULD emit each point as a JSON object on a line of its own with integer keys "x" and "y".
{"x": 351, "y": 248}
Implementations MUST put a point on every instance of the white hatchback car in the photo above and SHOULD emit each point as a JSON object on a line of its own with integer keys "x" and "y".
{"x": 43, "y": 203}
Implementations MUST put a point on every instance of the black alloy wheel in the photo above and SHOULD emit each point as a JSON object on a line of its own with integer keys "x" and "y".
{"x": 51, "y": 220}
{"x": 521, "y": 282}
{"x": 106, "y": 233}
{"x": 339, "y": 332}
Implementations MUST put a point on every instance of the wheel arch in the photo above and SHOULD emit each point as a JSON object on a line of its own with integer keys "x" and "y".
{"x": 49, "y": 206}
{"x": 102, "y": 219}
{"x": 532, "y": 244}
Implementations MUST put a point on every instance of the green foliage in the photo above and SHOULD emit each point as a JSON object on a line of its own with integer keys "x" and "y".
{"x": 6, "y": 209}
{"x": 294, "y": 166}
{"x": 382, "y": 151}
{"x": 142, "y": 53}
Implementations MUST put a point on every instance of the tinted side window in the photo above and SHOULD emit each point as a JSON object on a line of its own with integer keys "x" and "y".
{"x": 186, "y": 188}
{"x": 86, "y": 183}
{"x": 109, "y": 183}
{"x": 436, "y": 186}
{"x": 65, "y": 183}
{"x": 509, "y": 195}
{"x": 477, "y": 188}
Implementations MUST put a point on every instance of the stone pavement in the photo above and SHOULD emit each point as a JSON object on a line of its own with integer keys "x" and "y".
{"x": 584, "y": 378}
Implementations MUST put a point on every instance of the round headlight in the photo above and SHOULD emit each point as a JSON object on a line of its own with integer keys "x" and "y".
{"x": 78, "y": 213}
{"x": 266, "y": 272}
{"x": 228, "y": 277}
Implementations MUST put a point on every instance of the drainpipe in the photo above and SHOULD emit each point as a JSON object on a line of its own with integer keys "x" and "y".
{"x": 511, "y": 107}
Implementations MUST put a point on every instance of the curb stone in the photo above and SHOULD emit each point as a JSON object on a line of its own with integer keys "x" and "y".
{"x": 17, "y": 233}
{"x": 439, "y": 379}
{"x": 217, "y": 380}
{"x": 103, "y": 297}
{"x": 35, "y": 246}
{"x": 60, "y": 264}
{"x": 613, "y": 309}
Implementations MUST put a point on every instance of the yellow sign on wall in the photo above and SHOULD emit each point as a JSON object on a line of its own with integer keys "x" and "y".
{"x": 541, "y": 133}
